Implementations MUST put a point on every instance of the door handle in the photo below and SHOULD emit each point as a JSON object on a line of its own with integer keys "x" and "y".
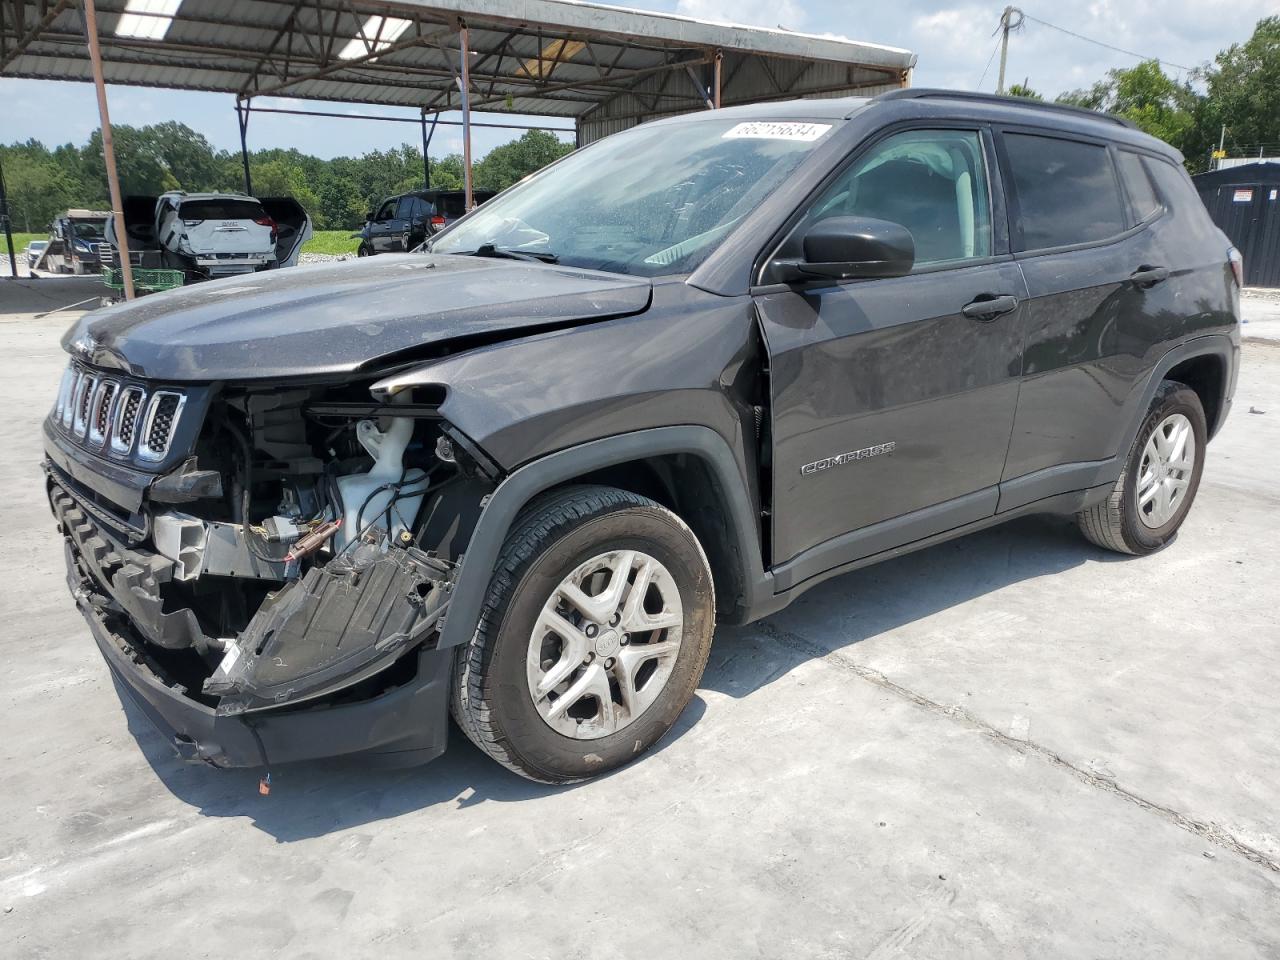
{"x": 988, "y": 307}
{"x": 1148, "y": 276}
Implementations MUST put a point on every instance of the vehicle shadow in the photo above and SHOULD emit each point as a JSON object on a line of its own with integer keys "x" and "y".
{"x": 844, "y": 611}
{"x": 314, "y": 799}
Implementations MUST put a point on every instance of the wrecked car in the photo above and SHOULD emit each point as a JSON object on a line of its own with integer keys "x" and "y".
{"x": 677, "y": 378}
{"x": 211, "y": 235}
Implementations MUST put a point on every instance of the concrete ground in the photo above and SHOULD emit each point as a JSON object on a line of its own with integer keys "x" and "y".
{"x": 1012, "y": 745}
{"x": 1261, "y": 309}
{"x": 33, "y": 297}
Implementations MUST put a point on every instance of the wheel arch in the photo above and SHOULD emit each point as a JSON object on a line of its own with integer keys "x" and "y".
{"x": 688, "y": 485}
{"x": 1206, "y": 374}
{"x": 1211, "y": 361}
{"x": 691, "y": 470}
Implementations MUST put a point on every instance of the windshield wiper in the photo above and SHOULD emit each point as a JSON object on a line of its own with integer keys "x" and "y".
{"x": 505, "y": 253}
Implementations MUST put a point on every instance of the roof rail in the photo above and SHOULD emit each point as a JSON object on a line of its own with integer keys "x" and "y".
{"x": 927, "y": 93}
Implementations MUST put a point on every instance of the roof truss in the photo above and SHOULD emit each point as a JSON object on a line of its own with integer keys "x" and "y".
{"x": 292, "y": 48}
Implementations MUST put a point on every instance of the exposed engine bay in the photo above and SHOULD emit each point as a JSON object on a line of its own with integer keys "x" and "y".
{"x": 302, "y": 542}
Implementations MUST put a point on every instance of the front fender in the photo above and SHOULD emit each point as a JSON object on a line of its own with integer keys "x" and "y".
{"x": 504, "y": 505}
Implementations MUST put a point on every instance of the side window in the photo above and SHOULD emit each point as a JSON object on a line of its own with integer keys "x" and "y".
{"x": 405, "y": 209}
{"x": 1142, "y": 196}
{"x": 1067, "y": 192}
{"x": 933, "y": 182}
{"x": 388, "y": 211}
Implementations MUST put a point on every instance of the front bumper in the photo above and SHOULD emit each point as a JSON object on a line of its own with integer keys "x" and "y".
{"x": 405, "y": 725}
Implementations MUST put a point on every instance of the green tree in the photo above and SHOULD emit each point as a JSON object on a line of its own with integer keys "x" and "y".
{"x": 1147, "y": 96}
{"x": 189, "y": 157}
{"x": 280, "y": 177}
{"x": 139, "y": 162}
{"x": 1022, "y": 90}
{"x": 446, "y": 172}
{"x": 341, "y": 206}
{"x": 1243, "y": 85}
{"x": 171, "y": 156}
{"x": 38, "y": 189}
{"x": 513, "y": 161}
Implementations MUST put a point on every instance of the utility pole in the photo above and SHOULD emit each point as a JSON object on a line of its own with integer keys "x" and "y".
{"x": 1007, "y": 23}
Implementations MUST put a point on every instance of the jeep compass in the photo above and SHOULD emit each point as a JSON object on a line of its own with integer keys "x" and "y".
{"x": 675, "y": 379}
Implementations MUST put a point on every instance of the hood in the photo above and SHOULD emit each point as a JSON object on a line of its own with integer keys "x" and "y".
{"x": 337, "y": 318}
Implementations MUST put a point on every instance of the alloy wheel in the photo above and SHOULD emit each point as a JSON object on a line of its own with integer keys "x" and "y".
{"x": 1164, "y": 475}
{"x": 605, "y": 644}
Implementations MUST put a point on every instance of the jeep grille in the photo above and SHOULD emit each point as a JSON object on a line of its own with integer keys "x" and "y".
{"x": 128, "y": 419}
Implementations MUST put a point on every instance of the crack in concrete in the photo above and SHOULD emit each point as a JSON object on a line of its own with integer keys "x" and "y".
{"x": 1205, "y": 831}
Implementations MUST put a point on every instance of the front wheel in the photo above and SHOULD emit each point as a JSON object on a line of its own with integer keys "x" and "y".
{"x": 1160, "y": 478}
{"x": 593, "y": 638}
{"x": 364, "y": 250}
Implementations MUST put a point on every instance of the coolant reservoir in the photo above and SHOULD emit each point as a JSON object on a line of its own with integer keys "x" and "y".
{"x": 387, "y": 449}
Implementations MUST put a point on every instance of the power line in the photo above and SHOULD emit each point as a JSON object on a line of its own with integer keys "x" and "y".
{"x": 1080, "y": 36}
{"x": 990, "y": 60}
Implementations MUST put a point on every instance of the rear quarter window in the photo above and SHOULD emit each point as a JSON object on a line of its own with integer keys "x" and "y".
{"x": 1066, "y": 191}
{"x": 1174, "y": 185}
{"x": 1143, "y": 202}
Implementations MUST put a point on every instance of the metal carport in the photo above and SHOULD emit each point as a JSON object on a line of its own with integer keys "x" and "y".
{"x": 606, "y": 68}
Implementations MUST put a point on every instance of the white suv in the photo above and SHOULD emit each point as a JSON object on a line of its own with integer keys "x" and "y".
{"x": 216, "y": 233}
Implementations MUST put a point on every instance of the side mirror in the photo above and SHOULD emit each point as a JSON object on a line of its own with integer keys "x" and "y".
{"x": 849, "y": 247}
{"x": 371, "y": 215}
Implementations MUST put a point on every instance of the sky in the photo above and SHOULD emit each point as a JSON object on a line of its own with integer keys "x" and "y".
{"x": 954, "y": 42}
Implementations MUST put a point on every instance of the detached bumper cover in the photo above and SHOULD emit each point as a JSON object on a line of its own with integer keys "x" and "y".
{"x": 406, "y": 725}
{"x": 115, "y": 591}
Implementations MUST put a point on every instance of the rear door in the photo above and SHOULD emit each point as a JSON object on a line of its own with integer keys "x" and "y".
{"x": 1096, "y": 280}
{"x": 893, "y": 398}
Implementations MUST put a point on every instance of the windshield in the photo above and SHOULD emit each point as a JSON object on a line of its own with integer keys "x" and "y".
{"x": 88, "y": 230}
{"x": 653, "y": 200}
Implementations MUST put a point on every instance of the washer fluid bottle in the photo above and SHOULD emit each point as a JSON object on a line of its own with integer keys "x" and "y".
{"x": 387, "y": 449}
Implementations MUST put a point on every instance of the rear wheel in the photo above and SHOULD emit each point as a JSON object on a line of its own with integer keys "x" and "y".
{"x": 1160, "y": 479}
{"x": 593, "y": 639}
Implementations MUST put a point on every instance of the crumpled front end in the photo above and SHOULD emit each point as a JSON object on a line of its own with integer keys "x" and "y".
{"x": 265, "y": 569}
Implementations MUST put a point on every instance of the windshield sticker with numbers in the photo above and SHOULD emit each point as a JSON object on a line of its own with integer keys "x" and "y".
{"x": 776, "y": 130}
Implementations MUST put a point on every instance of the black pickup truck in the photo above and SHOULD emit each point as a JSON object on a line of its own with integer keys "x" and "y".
{"x": 677, "y": 378}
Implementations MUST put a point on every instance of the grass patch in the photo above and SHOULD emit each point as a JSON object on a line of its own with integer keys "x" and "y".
{"x": 20, "y": 241}
{"x": 332, "y": 242}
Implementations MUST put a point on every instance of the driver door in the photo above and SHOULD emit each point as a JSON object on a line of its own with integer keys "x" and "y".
{"x": 894, "y": 398}
{"x": 380, "y": 230}
{"x": 402, "y": 224}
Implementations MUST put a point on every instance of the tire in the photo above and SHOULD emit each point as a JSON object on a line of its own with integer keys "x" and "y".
{"x": 364, "y": 250}
{"x": 1124, "y": 522}
{"x": 495, "y": 691}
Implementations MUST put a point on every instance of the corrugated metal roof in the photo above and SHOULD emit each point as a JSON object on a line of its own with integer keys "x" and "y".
{"x": 549, "y": 57}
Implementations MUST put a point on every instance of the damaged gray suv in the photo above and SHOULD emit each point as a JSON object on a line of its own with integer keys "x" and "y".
{"x": 675, "y": 379}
